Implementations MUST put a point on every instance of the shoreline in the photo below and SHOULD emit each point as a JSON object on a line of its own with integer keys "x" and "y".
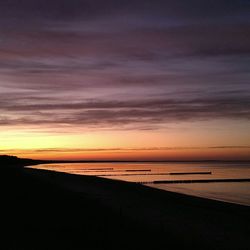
{"x": 118, "y": 195}
{"x": 151, "y": 183}
{"x": 86, "y": 211}
{"x": 73, "y": 182}
{"x": 213, "y": 198}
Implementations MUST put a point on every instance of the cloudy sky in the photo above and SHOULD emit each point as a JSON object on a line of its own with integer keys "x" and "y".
{"x": 163, "y": 79}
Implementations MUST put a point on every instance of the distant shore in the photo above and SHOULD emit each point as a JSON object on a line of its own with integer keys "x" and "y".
{"x": 143, "y": 161}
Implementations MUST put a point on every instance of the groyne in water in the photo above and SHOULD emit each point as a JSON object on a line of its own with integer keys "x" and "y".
{"x": 194, "y": 181}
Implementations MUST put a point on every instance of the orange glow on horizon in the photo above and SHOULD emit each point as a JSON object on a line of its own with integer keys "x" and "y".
{"x": 138, "y": 154}
{"x": 178, "y": 142}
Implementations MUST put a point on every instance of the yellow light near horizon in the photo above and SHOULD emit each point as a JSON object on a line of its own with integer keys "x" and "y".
{"x": 70, "y": 143}
{"x": 15, "y": 139}
{"x": 137, "y": 154}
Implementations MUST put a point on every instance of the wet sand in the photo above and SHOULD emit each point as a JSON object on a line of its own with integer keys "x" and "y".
{"x": 50, "y": 210}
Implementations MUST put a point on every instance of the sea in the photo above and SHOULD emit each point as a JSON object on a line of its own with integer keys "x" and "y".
{"x": 229, "y": 182}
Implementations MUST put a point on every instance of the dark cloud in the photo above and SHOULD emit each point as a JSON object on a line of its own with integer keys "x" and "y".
{"x": 96, "y": 63}
{"x": 144, "y": 44}
{"x": 81, "y": 8}
{"x": 116, "y": 113}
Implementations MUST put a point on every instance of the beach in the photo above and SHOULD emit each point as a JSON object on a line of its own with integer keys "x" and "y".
{"x": 50, "y": 210}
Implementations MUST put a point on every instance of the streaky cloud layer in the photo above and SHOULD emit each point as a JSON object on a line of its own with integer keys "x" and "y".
{"x": 125, "y": 65}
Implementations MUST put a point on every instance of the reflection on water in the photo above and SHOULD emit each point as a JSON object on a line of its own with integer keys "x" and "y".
{"x": 230, "y": 191}
{"x": 150, "y": 172}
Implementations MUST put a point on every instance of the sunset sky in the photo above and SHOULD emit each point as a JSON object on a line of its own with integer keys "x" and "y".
{"x": 116, "y": 79}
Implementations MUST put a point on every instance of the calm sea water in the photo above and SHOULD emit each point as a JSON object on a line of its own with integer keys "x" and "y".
{"x": 148, "y": 173}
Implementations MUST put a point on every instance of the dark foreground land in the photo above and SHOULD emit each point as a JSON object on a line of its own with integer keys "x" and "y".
{"x": 48, "y": 210}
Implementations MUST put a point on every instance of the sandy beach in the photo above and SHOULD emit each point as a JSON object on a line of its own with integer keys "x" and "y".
{"x": 50, "y": 210}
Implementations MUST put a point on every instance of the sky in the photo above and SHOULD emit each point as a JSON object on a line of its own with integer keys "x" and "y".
{"x": 116, "y": 79}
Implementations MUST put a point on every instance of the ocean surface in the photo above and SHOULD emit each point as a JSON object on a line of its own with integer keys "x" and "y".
{"x": 220, "y": 181}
